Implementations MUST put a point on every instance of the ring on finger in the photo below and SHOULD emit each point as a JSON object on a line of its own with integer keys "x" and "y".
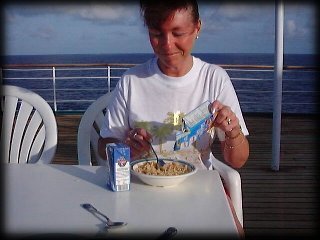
{"x": 228, "y": 121}
{"x": 133, "y": 134}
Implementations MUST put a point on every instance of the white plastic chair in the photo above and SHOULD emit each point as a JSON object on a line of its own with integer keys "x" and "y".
{"x": 90, "y": 124}
{"x": 88, "y": 131}
{"x": 29, "y": 130}
{"x": 232, "y": 182}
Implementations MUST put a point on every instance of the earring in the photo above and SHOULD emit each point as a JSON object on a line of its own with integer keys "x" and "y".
{"x": 197, "y": 37}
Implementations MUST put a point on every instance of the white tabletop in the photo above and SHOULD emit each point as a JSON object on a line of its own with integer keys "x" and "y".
{"x": 43, "y": 199}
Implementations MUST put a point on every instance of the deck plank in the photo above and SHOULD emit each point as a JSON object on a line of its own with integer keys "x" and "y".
{"x": 274, "y": 203}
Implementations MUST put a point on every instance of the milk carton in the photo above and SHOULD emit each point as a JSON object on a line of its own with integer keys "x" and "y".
{"x": 194, "y": 124}
{"x": 119, "y": 165}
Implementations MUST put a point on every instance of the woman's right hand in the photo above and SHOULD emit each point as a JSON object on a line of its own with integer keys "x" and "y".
{"x": 138, "y": 139}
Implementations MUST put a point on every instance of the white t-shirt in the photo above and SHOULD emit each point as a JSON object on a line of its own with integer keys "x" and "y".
{"x": 147, "y": 98}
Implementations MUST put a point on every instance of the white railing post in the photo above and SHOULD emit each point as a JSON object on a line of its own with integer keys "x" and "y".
{"x": 277, "y": 91}
{"x": 54, "y": 89}
{"x": 109, "y": 79}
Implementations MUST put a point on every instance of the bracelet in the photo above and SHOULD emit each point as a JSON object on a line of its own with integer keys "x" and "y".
{"x": 232, "y": 147}
{"x": 234, "y": 137}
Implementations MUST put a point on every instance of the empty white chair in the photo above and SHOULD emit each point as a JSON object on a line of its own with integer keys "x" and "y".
{"x": 29, "y": 130}
{"x": 88, "y": 131}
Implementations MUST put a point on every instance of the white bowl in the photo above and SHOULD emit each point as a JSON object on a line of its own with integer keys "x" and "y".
{"x": 161, "y": 181}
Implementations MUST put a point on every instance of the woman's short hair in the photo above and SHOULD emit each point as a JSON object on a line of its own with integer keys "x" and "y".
{"x": 155, "y": 12}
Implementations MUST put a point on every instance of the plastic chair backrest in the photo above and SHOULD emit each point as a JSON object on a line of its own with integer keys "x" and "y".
{"x": 29, "y": 131}
{"x": 88, "y": 131}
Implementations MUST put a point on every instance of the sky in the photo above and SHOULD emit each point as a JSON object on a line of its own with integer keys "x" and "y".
{"x": 114, "y": 27}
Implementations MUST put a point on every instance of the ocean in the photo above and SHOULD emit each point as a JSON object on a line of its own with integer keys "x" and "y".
{"x": 254, "y": 88}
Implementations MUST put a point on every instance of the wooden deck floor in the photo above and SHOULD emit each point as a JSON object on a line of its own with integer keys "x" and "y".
{"x": 274, "y": 203}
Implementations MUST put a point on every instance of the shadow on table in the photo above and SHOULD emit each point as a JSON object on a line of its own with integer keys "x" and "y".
{"x": 97, "y": 176}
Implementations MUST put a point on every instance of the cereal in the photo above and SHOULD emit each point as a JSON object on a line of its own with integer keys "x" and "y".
{"x": 169, "y": 169}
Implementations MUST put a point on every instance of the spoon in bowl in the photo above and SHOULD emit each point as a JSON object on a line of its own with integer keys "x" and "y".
{"x": 109, "y": 224}
{"x": 160, "y": 162}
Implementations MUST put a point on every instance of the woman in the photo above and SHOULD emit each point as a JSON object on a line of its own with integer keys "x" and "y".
{"x": 150, "y": 100}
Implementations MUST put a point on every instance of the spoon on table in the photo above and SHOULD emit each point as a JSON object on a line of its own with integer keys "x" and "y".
{"x": 109, "y": 224}
{"x": 160, "y": 162}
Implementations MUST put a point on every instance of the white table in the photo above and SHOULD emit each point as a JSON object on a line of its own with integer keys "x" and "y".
{"x": 41, "y": 199}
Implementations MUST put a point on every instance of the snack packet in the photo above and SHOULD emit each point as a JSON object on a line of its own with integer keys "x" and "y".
{"x": 194, "y": 124}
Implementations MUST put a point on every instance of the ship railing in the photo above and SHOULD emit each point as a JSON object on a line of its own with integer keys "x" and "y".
{"x": 73, "y": 87}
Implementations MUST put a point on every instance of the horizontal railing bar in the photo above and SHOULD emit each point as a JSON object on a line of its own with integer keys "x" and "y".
{"x": 27, "y": 78}
{"x": 89, "y": 100}
{"x": 268, "y": 80}
{"x": 67, "y": 89}
{"x": 114, "y": 77}
{"x": 50, "y": 78}
{"x": 250, "y": 79}
{"x": 62, "y": 78}
{"x": 79, "y": 100}
{"x": 67, "y": 65}
{"x": 283, "y": 103}
{"x": 101, "y": 77}
{"x": 252, "y": 102}
{"x": 285, "y": 91}
{"x": 82, "y": 68}
{"x": 97, "y": 68}
{"x": 286, "y": 67}
{"x": 61, "y": 69}
{"x": 27, "y": 70}
{"x": 232, "y": 66}
{"x": 248, "y": 70}
{"x": 239, "y": 90}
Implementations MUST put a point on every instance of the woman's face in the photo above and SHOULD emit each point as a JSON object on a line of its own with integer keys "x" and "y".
{"x": 173, "y": 41}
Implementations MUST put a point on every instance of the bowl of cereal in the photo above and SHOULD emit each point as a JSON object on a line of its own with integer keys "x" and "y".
{"x": 171, "y": 173}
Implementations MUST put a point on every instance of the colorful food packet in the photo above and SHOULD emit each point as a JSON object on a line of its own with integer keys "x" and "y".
{"x": 194, "y": 124}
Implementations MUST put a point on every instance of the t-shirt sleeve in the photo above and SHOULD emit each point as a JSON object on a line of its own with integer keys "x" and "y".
{"x": 116, "y": 124}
